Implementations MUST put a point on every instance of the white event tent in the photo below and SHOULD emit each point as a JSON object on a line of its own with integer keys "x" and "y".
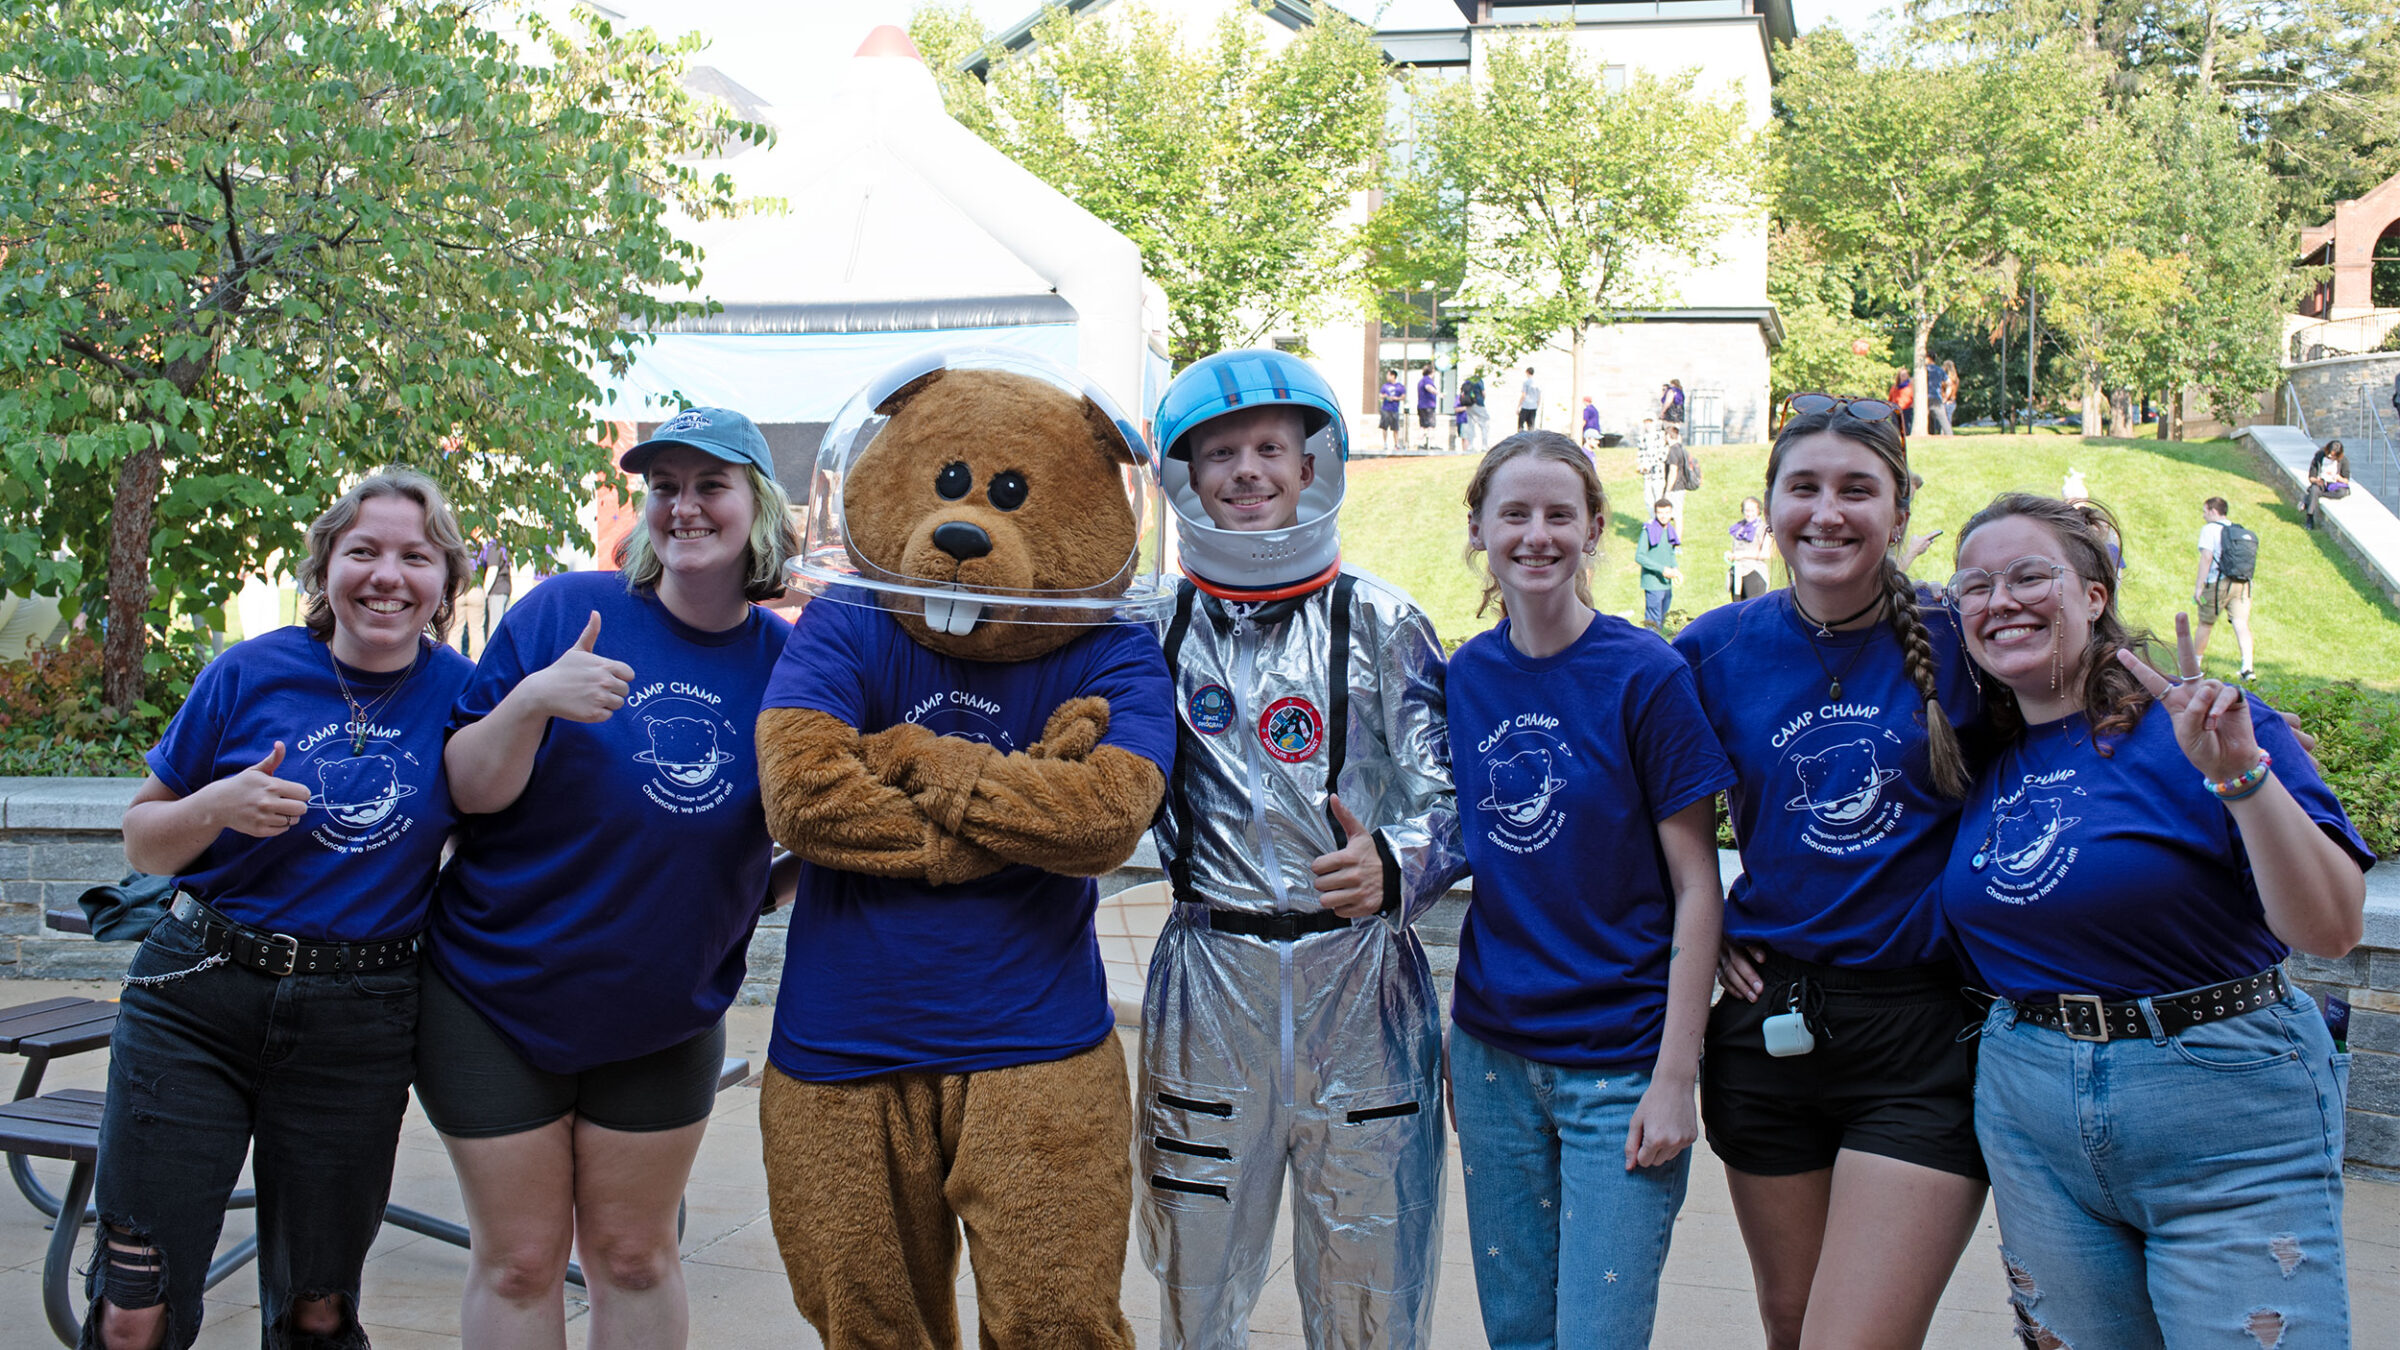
{"x": 900, "y": 230}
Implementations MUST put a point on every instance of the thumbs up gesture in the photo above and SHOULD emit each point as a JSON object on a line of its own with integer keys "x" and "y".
{"x": 1350, "y": 879}
{"x": 256, "y": 802}
{"x": 581, "y": 685}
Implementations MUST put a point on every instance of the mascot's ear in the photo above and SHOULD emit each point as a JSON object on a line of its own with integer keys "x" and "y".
{"x": 1104, "y": 430}
{"x": 900, "y": 397}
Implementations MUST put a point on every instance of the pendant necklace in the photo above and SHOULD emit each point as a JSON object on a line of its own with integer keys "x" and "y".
{"x": 359, "y": 714}
{"x": 1833, "y": 682}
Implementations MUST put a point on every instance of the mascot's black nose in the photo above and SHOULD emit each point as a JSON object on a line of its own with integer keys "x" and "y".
{"x": 961, "y": 540}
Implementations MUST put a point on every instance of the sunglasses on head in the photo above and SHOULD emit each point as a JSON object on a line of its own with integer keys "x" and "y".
{"x": 1864, "y": 409}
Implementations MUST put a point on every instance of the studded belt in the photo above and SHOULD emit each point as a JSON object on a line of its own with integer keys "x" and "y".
{"x": 281, "y": 953}
{"x": 2084, "y": 1017}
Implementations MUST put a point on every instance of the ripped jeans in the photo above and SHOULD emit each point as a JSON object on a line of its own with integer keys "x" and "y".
{"x": 2169, "y": 1191}
{"x": 309, "y": 1073}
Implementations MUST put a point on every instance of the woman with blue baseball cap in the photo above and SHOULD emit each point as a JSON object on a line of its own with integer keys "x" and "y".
{"x": 614, "y": 859}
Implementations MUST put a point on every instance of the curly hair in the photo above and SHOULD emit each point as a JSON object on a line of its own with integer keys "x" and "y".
{"x": 1946, "y": 756}
{"x": 2113, "y": 699}
{"x": 326, "y": 531}
{"x": 1547, "y": 445}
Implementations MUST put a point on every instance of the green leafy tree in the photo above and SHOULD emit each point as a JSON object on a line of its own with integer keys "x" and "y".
{"x": 1415, "y": 238}
{"x": 1229, "y": 165}
{"x": 1822, "y": 332}
{"x": 1923, "y": 179}
{"x": 1583, "y": 202}
{"x": 253, "y": 248}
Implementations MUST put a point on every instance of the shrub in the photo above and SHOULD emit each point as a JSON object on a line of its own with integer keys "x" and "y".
{"x": 2358, "y": 750}
{"x": 53, "y": 722}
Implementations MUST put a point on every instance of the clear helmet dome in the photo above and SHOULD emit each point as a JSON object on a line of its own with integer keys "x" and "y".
{"x": 1233, "y": 561}
{"x": 972, "y": 540}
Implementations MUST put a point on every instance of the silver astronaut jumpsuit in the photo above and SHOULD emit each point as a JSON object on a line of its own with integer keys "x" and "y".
{"x": 1309, "y": 1040}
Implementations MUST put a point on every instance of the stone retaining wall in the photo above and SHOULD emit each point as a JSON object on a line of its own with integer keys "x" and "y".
{"x": 59, "y": 836}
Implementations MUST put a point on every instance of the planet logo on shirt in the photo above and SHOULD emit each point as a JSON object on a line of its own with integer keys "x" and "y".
{"x": 2024, "y": 834}
{"x": 1840, "y": 785}
{"x": 1522, "y": 786}
{"x": 359, "y": 793}
{"x": 684, "y": 749}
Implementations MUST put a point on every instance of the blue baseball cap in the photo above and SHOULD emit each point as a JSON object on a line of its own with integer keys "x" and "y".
{"x": 717, "y": 431}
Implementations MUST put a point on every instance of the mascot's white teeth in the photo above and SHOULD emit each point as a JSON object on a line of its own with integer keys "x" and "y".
{"x": 955, "y": 616}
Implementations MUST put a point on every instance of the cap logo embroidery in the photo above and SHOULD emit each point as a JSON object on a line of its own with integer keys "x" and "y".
{"x": 690, "y": 419}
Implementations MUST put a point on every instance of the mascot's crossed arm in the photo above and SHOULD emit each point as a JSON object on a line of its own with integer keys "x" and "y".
{"x": 964, "y": 729}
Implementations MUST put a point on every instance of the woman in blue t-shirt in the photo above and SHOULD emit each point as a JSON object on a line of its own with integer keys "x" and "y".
{"x": 1587, "y": 777}
{"x": 297, "y": 800}
{"x": 1838, "y": 1088}
{"x": 2161, "y": 1112}
{"x": 591, "y": 931}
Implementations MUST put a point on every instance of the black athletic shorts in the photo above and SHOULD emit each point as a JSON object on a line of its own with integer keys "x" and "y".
{"x": 1425, "y": 417}
{"x": 474, "y": 1085}
{"x": 1893, "y": 1072}
{"x": 1388, "y": 420}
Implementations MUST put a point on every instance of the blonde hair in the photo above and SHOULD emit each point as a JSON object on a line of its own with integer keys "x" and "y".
{"x": 441, "y": 530}
{"x": 773, "y": 542}
{"x": 1547, "y": 445}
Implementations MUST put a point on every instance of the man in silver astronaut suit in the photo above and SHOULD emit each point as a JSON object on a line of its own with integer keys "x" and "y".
{"x": 1290, "y": 1017}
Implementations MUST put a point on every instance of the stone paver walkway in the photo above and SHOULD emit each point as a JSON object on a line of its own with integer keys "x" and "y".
{"x": 739, "y": 1298}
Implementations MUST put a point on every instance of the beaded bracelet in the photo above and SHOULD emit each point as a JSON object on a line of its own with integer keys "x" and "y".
{"x": 2234, "y": 789}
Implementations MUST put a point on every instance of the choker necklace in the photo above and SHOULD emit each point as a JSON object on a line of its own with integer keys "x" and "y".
{"x": 358, "y": 714}
{"x": 1833, "y": 682}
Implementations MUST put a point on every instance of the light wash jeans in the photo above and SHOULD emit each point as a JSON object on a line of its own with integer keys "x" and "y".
{"x": 1568, "y": 1244}
{"x": 2170, "y": 1191}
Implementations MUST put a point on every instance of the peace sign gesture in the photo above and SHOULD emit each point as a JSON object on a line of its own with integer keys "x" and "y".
{"x": 2212, "y": 718}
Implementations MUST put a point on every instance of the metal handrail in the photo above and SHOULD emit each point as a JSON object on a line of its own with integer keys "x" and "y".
{"x": 2382, "y": 460}
{"x": 2291, "y": 399}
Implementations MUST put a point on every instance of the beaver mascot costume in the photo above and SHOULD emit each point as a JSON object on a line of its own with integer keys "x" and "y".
{"x": 971, "y": 722}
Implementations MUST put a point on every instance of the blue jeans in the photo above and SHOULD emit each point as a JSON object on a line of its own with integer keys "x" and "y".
{"x": 1568, "y": 1245}
{"x": 2170, "y": 1190}
{"x": 307, "y": 1073}
{"x": 1654, "y": 606}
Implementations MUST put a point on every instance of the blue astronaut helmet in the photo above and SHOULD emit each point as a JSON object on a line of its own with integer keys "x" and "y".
{"x": 1265, "y": 560}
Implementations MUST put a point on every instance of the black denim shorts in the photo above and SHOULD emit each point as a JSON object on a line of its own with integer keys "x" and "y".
{"x": 1893, "y": 1072}
{"x": 474, "y": 1085}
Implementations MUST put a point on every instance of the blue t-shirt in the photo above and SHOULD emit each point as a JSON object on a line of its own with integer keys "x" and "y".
{"x": 2119, "y": 875}
{"x": 1426, "y": 395}
{"x": 1392, "y": 390}
{"x": 1591, "y": 418}
{"x": 1565, "y": 765}
{"x": 884, "y": 974}
{"x": 603, "y": 914}
{"x": 359, "y": 866}
{"x": 1842, "y": 833}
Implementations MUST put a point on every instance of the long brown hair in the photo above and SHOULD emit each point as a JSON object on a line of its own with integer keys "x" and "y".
{"x": 2113, "y": 699}
{"x": 1947, "y": 759}
{"x": 441, "y": 531}
{"x": 1548, "y": 445}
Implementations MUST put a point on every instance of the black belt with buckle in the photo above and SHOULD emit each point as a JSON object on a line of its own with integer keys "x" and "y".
{"x": 1283, "y": 926}
{"x": 2085, "y": 1018}
{"x": 281, "y": 953}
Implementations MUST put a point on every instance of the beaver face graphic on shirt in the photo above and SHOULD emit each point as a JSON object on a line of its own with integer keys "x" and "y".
{"x": 359, "y": 793}
{"x": 1522, "y": 786}
{"x": 2024, "y": 834}
{"x": 684, "y": 749}
{"x": 1840, "y": 783}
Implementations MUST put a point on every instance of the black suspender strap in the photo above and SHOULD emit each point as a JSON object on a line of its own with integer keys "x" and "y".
{"x": 1337, "y": 694}
{"x": 1179, "y": 865}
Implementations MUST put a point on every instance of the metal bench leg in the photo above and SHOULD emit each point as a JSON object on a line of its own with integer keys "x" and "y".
{"x": 20, "y": 1169}
{"x": 58, "y": 1268}
{"x": 443, "y": 1230}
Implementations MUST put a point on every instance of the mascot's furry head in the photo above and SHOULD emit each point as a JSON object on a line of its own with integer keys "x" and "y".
{"x": 993, "y": 502}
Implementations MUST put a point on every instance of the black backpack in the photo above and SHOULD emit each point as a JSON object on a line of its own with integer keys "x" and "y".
{"x": 1683, "y": 469}
{"x": 2237, "y": 553}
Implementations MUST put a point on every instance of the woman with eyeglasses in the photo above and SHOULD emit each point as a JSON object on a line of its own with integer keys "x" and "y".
{"x": 1837, "y": 1086}
{"x": 2162, "y": 1114}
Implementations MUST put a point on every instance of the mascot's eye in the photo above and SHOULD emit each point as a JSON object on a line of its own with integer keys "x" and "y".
{"x": 1007, "y": 490}
{"x": 955, "y": 481}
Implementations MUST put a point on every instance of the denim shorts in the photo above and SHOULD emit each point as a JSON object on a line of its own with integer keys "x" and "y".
{"x": 474, "y": 1084}
{"x": 1892, "y": 1074}
{"x": 2170, "y": 1190}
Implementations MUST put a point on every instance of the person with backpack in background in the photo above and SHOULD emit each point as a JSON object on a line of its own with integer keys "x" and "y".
{"x": 2228, "y": 560}
{"x": 1474, "y": 420}
{"x": 1683, "y": 471}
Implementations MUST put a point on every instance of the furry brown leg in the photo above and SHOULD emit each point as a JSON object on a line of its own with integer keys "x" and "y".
{"x": 1043, "y": 1181}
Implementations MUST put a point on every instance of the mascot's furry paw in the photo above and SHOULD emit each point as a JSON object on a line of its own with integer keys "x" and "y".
{"x": 1073, "y": 730}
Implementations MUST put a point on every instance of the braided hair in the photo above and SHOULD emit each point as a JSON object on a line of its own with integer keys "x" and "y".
{"x": 1947, "y": 757}
{"x": 2113, "y": 700}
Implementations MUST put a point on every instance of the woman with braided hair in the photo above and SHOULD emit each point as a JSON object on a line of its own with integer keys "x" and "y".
{"x": 1837, "y": 1086}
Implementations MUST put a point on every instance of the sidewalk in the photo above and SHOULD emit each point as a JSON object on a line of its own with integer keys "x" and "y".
{"x": 739, "y": 1298}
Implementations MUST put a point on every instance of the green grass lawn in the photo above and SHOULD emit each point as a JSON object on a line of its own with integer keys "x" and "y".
{"x": 2315, "y": 615}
